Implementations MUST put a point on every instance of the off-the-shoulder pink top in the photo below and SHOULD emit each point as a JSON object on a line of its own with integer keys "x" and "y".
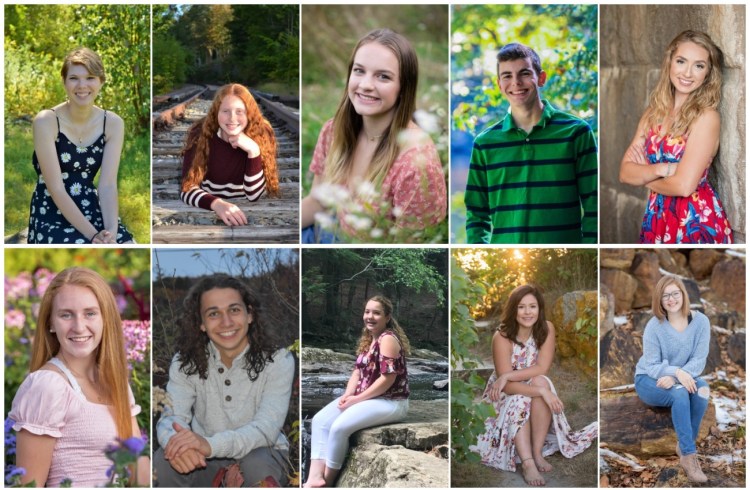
{"x": 48, "y": 404}
{"x": 414, "y": 184}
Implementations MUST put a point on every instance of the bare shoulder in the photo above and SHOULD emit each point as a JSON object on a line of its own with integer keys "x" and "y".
{"x": 115, "y": 121}
{"x": 45, "y": 120}
{"x": 500, "y": 340}
{"x": 389, "y": 345}
{"x": 550, "y": 327}
{"x": 709, "y": 118}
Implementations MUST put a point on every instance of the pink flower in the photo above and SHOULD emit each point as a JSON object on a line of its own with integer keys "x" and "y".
{"x": 18, "y": 287}
{"x": 15, "y": 318}
{"x": 42, "y": 277}
{"x": 137, "y": 338}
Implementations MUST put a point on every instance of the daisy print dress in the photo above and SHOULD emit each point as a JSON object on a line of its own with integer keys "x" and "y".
{"x": 78, "y": 165}
{"x": 497, "y": 446}
{"x": 699, "y": 218}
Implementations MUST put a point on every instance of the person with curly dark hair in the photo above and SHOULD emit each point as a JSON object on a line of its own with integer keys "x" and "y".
{"x": 229, "y": 386}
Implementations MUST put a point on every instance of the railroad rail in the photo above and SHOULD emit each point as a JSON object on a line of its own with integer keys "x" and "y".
{"x": 270, "y": 220}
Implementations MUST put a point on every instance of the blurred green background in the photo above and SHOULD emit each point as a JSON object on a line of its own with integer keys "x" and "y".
{"x": 564, "y": 36}
{"x": 329, "y": 34}
{"x": 37, "y": 38}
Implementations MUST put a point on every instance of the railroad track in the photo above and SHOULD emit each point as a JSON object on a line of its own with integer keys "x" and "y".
{"x": 270, "y": 220}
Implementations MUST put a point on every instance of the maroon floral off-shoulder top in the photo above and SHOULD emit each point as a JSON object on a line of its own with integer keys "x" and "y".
{"x": 372, "y": 364}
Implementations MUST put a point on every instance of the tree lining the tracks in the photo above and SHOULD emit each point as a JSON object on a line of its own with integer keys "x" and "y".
{"x": 252, "y": 44}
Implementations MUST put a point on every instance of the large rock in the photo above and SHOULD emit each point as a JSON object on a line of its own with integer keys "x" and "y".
{"x": 736, "y": 348}
{"x": 606, "y": 310}
{"x": 703, "y": 260}
{"x": 672, "y": 261}
{"x": 421, "y": 436}
{"x": 577, "y": 342}
{"x": 427, "y": 354}
{"x": 728, "y": 282}
{"x": 618, "y": 354}
{"x": 314, "y": 355}
{"x": 616, "y": 258}
{"x": 646, "y": 271}
{"x": 376, "y": 466}
{"x": 629, "y": 425}
{"x": 623, "y": 285}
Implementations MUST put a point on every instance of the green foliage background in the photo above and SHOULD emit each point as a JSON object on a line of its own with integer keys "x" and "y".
{"x": 330, "y": 33}
{"x": 481, "y": 280}
{"x": 37, "y": 38}
{"x": 565, "y": 36}
{"x": 256, "y": 45}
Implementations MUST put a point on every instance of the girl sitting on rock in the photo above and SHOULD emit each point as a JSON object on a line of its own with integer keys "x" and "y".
{"x": 675, "y": 348}
{"x": 530, "y": 423}
{"x": 377, "y": 393}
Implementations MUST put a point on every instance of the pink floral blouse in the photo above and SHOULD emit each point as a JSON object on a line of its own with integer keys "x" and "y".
{"x": 372, "y": 364}
{"x": 415, "y": 184}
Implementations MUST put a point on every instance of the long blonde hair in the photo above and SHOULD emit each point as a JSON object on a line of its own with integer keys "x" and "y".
{"x": 110, "y": 356}
{"x": 347, "y": 123}
{"x": 258, "y": 128}
{"x": 707, "y": 96}
{"x": 366, "y": 339}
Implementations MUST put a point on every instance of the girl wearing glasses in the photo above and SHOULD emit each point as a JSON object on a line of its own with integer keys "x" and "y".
{"x": 675, "y": 347}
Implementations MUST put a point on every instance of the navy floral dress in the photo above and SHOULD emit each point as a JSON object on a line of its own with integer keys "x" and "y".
{"x": 78, "y": 165}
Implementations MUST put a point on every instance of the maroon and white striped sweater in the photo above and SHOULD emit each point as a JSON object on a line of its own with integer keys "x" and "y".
{"x": 230, "y": 173}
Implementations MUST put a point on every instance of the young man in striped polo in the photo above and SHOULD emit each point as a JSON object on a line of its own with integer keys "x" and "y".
{"x": 533, "y": 175}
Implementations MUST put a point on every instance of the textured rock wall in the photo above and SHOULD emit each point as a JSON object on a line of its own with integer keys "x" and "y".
{"x": 632, "y": 41}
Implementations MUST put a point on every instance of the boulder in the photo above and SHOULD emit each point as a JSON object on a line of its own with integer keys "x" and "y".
{"x": 728, "y": 282}
{"x": 618, "y": 354}
{"x": 616, "y": 258}
{"x": 606, "y": 310}
{"x": 420, "y": 436}
{"x": 577, "y": 340}
{"x": 629, "y": 425}
{"x": 314, "y": 355}
{"x": 427, "y": 354}
{"x": 703, "y": 260}
{"x": 672, "y": 261}
{"x": 623, "y": 285}
{"x": 440, "y": 385}
{"x": 376, "y": 466}
{"x": 646, "y": 271}
{"x": 736, "y": 348}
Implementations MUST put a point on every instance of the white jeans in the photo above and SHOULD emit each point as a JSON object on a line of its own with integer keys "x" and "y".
{"x": 331, "y": 427}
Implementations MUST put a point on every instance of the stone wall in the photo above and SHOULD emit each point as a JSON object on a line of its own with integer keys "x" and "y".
{"x": 632, "y": 42}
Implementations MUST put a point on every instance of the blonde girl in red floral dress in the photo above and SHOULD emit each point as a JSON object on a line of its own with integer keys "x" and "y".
{"x": 530, "y": 423}
{"x": 676, "y": 141}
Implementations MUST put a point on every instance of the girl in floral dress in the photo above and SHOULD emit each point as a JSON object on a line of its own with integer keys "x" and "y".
{"x": 530, "y": 423}
{"x": 377, "y": 393}
{"x": 373, "y": 150}
{"x": 676, "y": 141}
{"x": 72, "y": 142}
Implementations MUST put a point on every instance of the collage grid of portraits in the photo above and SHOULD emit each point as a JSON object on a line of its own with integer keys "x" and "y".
{"x": 597, "y": 291}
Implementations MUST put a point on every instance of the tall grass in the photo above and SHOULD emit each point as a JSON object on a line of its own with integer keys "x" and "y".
{"x": 133, "y": 181}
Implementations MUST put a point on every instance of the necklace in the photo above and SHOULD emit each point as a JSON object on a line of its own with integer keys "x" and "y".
{"x": 372, "y": 138}
{"x": 74, "y": 127}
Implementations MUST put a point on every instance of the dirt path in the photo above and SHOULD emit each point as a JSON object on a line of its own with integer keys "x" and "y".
{"x": 578, "y": 394}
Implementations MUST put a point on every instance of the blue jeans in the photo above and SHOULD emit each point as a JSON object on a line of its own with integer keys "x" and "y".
{"x": 687, "y": 408}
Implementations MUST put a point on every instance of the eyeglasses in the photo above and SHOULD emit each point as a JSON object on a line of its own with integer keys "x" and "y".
{"x": 674, "y": 295}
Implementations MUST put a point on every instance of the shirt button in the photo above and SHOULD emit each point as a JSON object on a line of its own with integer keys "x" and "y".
{"x": 228, "y": 398}
{"x": 227, "y": 382}
{"x": 221, "y": 370}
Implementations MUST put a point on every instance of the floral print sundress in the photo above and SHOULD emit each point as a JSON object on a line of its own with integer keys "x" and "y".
{"x": 78, "y": 166}
{"x": 699, "y": 218}
{"x": 497, "y": 446}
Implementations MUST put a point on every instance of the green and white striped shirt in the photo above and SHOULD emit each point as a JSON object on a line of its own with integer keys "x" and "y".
{"x": 538, "y": 187}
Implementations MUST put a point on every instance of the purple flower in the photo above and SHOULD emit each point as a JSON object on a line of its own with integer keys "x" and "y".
{"x": 134, "y": 444}
{"x": 18, "y": 287}
{"x": 42, "y": 277}
{"x": 137, "y": 338}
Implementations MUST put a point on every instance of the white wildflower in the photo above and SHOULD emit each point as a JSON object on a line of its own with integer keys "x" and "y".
{"x": 376, "y": 233}
{"x": 65, "y": 157}
{"x": 397, "y": 211}
{"x": 325, "y": 220}
{"x": 427, "y": 121}
{"x": 75, "y": 189}
{"x": 330, "y": 195}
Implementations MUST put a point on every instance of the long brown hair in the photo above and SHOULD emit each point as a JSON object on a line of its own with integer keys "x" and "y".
{"x": 258, "y": 128}
{"x": 509, "y": 327}
{"x": 192, "y": 344}
{"x": 707, "y": 96}
{"x": 366, "y": 339}
{"x": 111, "y": 362}
{"x": 347, "y": 123}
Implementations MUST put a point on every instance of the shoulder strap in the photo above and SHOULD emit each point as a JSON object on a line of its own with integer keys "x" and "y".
{"x": 104, "y": 128}
{"x": 58, "y": 130}
{"x": 71, "y": 379}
